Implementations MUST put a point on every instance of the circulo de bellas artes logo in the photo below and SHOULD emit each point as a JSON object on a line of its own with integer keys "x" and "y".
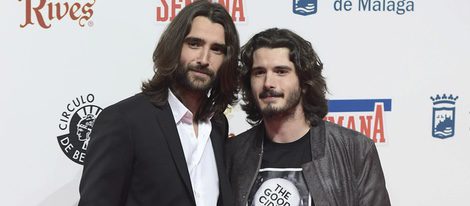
{"x": 44, "y": 12}
{"x": 77, "y": 122}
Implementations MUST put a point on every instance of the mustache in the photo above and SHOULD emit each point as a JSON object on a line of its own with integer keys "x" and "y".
{"x": 270, "y": 93}
{"x": 200, "y": 68}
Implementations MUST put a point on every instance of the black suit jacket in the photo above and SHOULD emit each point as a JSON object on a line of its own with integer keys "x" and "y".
{"x": 135, "y": 158}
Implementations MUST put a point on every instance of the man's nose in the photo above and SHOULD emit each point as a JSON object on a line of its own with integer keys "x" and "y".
{"x": 204, "y": 56}
{"x": 269, "y": 80}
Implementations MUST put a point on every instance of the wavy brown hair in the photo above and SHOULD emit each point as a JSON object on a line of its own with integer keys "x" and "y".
{"x": 307, "y": 65}
{"x": 166, "y": 58}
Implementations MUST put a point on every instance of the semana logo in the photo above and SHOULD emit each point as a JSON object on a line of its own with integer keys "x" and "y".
{"x": 43, "y": 12}
{"x": 304, "y": 7}
{"x": 363, "y": 115}
{"x": 167, "y": 9}
{"x": 77, "y": 121}
{"x": 443, "y": 116}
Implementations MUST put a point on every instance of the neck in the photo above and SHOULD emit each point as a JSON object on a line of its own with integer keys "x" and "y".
{"x": 288, "y": 127}
{"x": 190, "y": 98}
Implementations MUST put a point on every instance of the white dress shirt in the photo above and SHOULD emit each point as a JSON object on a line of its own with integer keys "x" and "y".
{"x": 198, "y": 153}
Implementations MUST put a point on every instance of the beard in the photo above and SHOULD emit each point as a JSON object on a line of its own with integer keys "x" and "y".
{"x": 192, "y": 82}
{"x": 271, "y": 110}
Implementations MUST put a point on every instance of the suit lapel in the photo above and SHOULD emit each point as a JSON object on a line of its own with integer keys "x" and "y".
{"x": 167, "y": 124}
{"x": 218, "y": 135}
{"x": 217, "y": 143}
{"x": 317, "y": 180}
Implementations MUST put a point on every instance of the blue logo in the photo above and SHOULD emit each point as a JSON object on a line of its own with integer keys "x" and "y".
{"x": 443, "y": 116}
{"x": 304, "y": 7}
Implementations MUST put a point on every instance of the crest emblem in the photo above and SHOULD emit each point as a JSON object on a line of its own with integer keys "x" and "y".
{"x": 77, "y": 123}
{"x": 443, "y": 116}
{"x": 304, "y": 7}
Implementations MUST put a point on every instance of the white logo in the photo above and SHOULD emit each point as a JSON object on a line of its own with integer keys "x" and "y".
{"x": 277, "y": 192}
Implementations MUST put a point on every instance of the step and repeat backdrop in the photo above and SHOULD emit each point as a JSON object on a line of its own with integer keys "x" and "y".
{"x": 397, "y": 71}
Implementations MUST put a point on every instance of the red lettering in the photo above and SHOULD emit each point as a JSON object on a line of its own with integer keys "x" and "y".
{"x": 51, "y": 8}
{"x": 238, "y": 8}
{"x": 28, "y": 19}
{"x": 163, "y": 17}
{"x": 58, "y": 7}
{"x": 365, "y": 126}
{"x": 30, "y": 9}
{"x": 174, "y": 6}
{"x": 225, "y": 3}
{"x": 332, "y": 119}
{"x": 351, "y": 123}
{"x": 378, "y": 123}
{"x": 73, "y": 11}
{"x": 374, "y": 130}
{"x": 87, "y": 13}
{"x": 168, "y": 11}
{"x": 56, "y": 11}
{"x": 39, "y": 15}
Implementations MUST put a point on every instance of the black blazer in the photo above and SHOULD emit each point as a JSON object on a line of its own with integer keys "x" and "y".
{"x": 135, "y": 158}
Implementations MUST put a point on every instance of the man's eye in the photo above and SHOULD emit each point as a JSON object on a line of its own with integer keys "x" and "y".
{"x": 257, "y": 72}
{"x": 218, "y": 49}
{"x": 192, "y": 44}
{"x": 281, "y": 71}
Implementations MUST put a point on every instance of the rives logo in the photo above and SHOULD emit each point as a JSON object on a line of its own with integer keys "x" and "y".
{"x": 443, "y": 116}
{"x": 44, "y": 12}
{"x": 78, "y": 119}
{"x": 363, "y": 115}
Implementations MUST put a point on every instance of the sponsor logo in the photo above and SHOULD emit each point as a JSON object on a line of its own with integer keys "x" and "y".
{"x": 279, "y": 187}
{"x": 167, "y": 9}
{"x": 398, "y": 7}
{"x": 277, "y": 191}
{"x": 363, "y": 115}
{"x": 43, "y": 12}
{"x": 77, "y": 120}
{"x": 443, "y": 116}
{"x": 304, "y": 7}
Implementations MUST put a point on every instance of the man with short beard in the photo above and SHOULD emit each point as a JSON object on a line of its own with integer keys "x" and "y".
{"x": 164, "y": 146}
{"x": 292, "y": 156}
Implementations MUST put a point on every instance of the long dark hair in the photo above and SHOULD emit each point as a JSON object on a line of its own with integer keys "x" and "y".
{"x": 166, "y": 58}
{"x": 307, "y": 65}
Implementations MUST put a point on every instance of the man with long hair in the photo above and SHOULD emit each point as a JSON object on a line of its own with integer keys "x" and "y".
{"x": 164, "y": 146}
{"x": 292, "y": 156}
